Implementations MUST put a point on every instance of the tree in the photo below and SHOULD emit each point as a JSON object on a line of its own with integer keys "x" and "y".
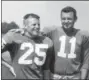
{"x": 7, "y": 26}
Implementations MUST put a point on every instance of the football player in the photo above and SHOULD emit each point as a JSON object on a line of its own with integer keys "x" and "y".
{"x": 30, "y": 51}
{"x": 71, "y": 47}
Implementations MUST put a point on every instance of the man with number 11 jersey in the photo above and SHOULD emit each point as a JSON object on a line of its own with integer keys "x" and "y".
{"x": 69, "y": 51}
{"x": 29, "y": 51}
{"x": 71, "y": 48}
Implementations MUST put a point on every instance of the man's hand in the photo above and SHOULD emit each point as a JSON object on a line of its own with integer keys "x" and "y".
{"x": 84, "y": 73}
{"x": 20, "y": 30}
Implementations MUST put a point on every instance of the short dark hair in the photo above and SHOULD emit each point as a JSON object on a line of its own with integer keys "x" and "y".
{"x": 31, "y": 15}
{"x": 69, "y": 9}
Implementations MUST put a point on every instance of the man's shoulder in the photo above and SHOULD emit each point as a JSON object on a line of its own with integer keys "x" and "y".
{"x": 84, "y": 36}
{"x": 8, "y": 36}
{"x": 9, "y": 33}
{"x": 50, "y": 29}
{"x": 55, "y": 31}
{"x": 11, "y": 36}
{"x": 84, "y": 33}
{"x": 15, "y": 34}
{"x": 58, "y": 29}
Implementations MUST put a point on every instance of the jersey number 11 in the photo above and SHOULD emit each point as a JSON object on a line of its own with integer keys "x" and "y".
{"x": 72, "y": 41}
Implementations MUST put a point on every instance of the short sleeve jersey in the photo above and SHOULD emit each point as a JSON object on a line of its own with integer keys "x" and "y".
{"x": 28, "y": 55}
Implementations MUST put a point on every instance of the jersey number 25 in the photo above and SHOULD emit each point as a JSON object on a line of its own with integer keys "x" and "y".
{"x": 22, "y": 59}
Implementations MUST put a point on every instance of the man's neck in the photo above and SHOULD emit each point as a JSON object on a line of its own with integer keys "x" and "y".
{"x": 68, "y": 31}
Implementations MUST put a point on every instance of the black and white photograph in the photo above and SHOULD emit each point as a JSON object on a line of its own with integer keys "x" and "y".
{"x": 45, "y": 40}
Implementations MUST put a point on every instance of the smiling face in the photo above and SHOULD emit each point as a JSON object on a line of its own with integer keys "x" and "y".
{"x": 67, "y": 19}
{"x": 32, "y": 26}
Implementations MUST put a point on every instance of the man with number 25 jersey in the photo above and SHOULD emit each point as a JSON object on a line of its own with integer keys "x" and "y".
{"x": 71, "y": 47}
{"x": 30, "y": 50}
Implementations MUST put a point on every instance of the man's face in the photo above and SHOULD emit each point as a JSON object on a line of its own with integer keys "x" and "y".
{"x": 33, "y": 26}
{"x": 67, "y": 20}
